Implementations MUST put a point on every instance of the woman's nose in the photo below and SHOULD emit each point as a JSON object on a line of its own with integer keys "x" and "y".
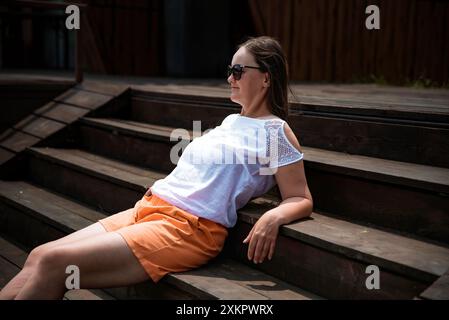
{"x": 231, "y": 79}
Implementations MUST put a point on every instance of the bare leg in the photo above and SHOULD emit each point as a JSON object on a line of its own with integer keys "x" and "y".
{"x": 104, "y": 261}
{"x": 15, "y": 285}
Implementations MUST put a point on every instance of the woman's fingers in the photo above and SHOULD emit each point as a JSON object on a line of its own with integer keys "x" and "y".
{"x": 272, "y": 247}
{"x": 265, "y": 250}
{"x": 258, "y": 250}
{"x": 248, "y": 238}
{"x": 261, "y": 244}
{"x": 252, "y": 247}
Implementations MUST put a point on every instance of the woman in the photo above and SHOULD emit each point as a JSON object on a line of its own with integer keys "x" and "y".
{"x": 182, "y": 220}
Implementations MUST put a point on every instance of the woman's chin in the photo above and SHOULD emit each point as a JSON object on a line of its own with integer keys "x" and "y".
{"x": 234, "y": 98}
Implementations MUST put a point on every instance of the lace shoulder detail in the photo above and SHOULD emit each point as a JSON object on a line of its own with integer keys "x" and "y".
{"x": 280, "y": 150}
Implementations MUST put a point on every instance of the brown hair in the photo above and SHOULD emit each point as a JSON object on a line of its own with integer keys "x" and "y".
{"x": 271, "y": 58}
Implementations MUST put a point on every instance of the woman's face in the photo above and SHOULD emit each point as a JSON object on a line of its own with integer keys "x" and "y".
{"x": 252, "y": 86}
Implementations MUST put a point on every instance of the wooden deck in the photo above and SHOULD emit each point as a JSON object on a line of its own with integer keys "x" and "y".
{"x": 359, "y": 96}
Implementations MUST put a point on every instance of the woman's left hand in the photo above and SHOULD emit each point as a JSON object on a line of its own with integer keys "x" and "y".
{"x": 262, "y": 238}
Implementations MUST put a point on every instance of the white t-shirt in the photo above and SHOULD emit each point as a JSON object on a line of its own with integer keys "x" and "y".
{"x": 221, "y": 171}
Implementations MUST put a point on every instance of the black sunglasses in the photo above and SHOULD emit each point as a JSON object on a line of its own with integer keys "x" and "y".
{"x": 237, "y": 69}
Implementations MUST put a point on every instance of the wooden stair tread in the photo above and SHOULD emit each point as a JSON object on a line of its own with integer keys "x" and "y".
{"x": 133, "y": 126}
{"x": 113, "y": 89}
{"x": 429, "y": 177}
{"x": 439, "y": 290}
{"x": 84, "y": 99}
{"x": 209, "y": 282}
{"x": 397, "y": 253}
{"x": 7, "y": 271}
{"x": 226, "y": 278}
{"x": 32, "y": 198}
{"x": 415, "y": 175}
{"x": 331, "y": 98}
{"x": 87, "y": 162}
{"x": 12, "y": 259}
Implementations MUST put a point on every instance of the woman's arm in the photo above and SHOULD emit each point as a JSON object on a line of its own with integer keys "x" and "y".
{"x": 297, "y": 203}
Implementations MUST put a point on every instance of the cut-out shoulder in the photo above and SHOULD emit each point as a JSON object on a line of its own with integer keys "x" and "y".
{"x": 279, "y": 148}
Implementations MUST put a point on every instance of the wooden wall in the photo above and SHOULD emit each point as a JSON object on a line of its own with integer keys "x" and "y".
{"x": 124, "y": 37}
{"x": 326, "y": 40}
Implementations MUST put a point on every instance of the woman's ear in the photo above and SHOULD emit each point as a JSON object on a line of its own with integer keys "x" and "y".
{"x": 266, "y": 82}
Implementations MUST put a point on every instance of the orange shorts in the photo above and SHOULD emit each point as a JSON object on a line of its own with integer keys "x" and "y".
{"x": 165, "y": 238}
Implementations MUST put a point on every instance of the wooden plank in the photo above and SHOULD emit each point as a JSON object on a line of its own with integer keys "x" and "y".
{"x": 397, "y": 253}
{"x": 439, "y": 290}
{"x": 136, "y": 128}
{"x": 19, "y": 223}
{"x": 98, "y": 168}
{"x": 103, "y": 87}
{"x": 136, "y": 173}
{"x": 84, "y": 294}
{"x": 127, "y": 148}
{"x": 150, "y": 291}
{"x": 121, "y": 166}
{"x": 391, "y": 206}
{"x": 407, "y": 174}
{"x": 384, "y": 102}
{"x": 257, "y": 281}
{"x": 34, "y": 198}
{"x": 217, "y": 287}
{"x": 7, "y": 271}
{"x": 5, "y": 155}
{"x": 12, "y": 253}
{"x": 83, "y": 99}
{"x": 324, "y": 272}
{"x": 56, "y": 199}
{"x": 41, "y": 127}
{"x": 24, "y": 122}
{"x": 62, "y": 112}
{"x": 19, "y": 141}
{"x": 176, "y": 114}
{"x": 72, "y": 181}
{"x": 7, "y": 133}
{"x": 394, "y": 141}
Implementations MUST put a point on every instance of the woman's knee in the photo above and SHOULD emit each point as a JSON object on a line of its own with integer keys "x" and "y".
{"x": 36, "y": 254}
{"x": 54, "y": 258}
{"x": 51, "y": 265}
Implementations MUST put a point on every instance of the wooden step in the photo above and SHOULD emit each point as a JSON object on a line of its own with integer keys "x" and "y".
{"x": 221, "y": 279}
{"x": 323, "y": 254}
{"x": 403, "y": 196}
{"x": 50, "y": 121}
{"x": 20, "y": 98}
{"x": 150, "y": 149}
{"x": 406, "y": 132}
{"x": 77, "y": 169}
{"x": 340, "y": 251}
{"x": 439, "y": 290}
{"x": 12, "y": 260}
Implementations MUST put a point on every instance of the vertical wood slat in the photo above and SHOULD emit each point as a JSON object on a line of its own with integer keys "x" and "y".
{"x": 327, "y": 40}
{"x": 125, "y": 31}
